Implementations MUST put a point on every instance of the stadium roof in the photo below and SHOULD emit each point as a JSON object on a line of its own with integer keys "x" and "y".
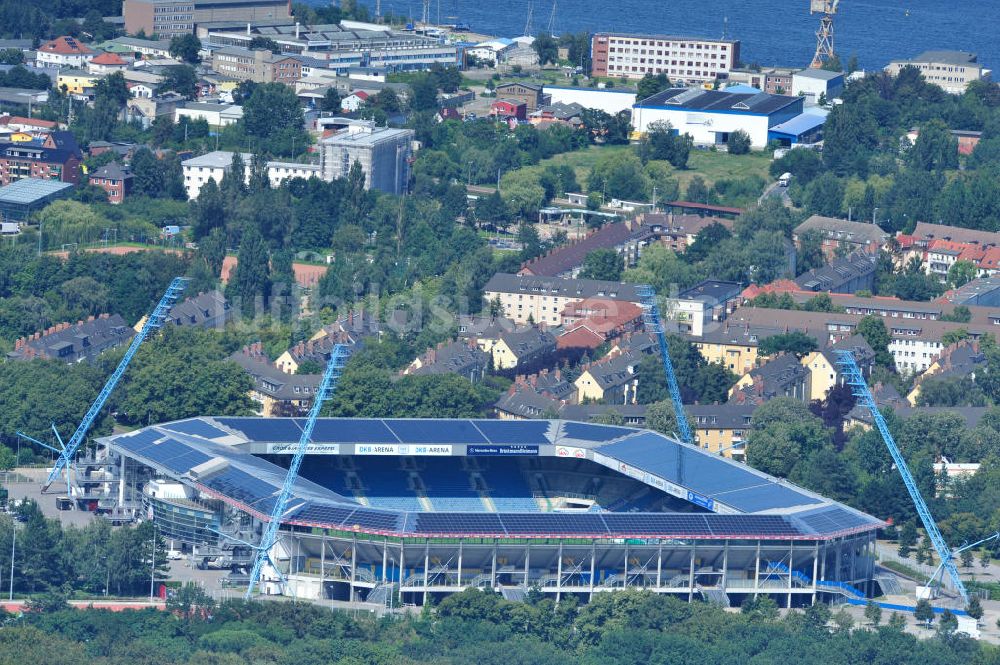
{"x": 218, "y": 457}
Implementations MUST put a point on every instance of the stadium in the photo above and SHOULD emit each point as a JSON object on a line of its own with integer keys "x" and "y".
{"x": 428, "y": 507}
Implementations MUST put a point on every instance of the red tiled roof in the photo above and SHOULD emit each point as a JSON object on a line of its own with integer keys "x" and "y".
{"x": 65, "y": 46}
{"x": 580, "y": 337}
{"x": 360, "y": 94}
{"x": 777, "y": 286}
{"x": 948, "y": 245}
{"x": 991, "y": 259}
{"x": 108, "y": 59}
{"x": 18, "y": 120}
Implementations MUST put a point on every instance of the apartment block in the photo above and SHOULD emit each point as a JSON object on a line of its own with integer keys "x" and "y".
{"x": 525, "y": 298}
{"x": 257, "y": 65}
{"x": 952, "y": 70}
{"x": 169, "y": 18}
{"x": 384, "y": 154}
{"x": 680, "y": 58}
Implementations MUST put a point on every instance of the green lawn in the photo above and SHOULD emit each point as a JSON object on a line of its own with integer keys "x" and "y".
{"x": 709, "y": 165}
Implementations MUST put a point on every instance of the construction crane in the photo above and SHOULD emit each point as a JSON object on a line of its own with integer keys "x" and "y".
{"x": 651, "y": 319}
{"x": 68, "y": 450}
{"x": 854, "y": 378}
{"x": 327, "y": 385}
{"x": 824, "y": 36}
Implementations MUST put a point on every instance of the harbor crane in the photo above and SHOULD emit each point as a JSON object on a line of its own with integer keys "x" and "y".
{"x": 854, "y": 379}
{"x": 331, "y": 375}
{"x": 824, "y": 36}
{"x": 66, "y": 451}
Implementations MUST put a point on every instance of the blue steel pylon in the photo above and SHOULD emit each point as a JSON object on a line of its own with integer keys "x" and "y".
{"x": 651, "y": 319}
{"x": 854, "y": 378}
{"x": 68, "y": 450}
{"x": 327, "y": 385}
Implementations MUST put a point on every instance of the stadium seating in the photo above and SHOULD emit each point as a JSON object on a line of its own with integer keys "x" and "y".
{"x": 507, "y": 487}
{"x": 449, "y": 487}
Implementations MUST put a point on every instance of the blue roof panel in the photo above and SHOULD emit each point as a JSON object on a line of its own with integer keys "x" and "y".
{"x": 514, "y": 431}
{"x": 265, "y": 429}
{"x": 196, "y": 427}
{"x": 436, "y": 431}
{"x": 588, "y": 432}
{"x": 352, "y": 431}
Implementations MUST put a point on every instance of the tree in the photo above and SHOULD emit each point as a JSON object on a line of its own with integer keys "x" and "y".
{"x": 605, "y": 264}
{"x": 825, "y": 195}
{"x": 961, "y": 273}
{"x": 147, "y": 174}
{"x": 620, "y": 176}
{"x": 810, "y": 254}
{"x": 234, "y": 181}
{"x": 975, "y": 608}
{"x": 186, "y": 47}
{"x": 424, "y": 94}
{"x": 936, "y": 149}
{"x": 948, "y": 624}
{"x": 873, "y": 613}
{"x": 331, "y": 102}
{"x": 873, "y": 329}
{"x": 273, "y": 117}
{"x": 662, "y": 417}
{"x": 651, "y": 84}
{"x": 967, "y": 558}
{"x": 795, "y": 342}
{"x": 266, "y": 43}
{"x": 783, "y": 431}
{"x": 182, "y": 79}
{"x": 738, "y": 143}
{"x": 697, "y": 191}
{"x": 924, "y": 612}
{"x": 250, "y": 282}
{"x": 546, "y": 47}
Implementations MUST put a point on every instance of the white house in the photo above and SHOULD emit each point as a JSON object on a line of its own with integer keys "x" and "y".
{"x": 492, "y": 51}
{"x": 216, "y": 115}
{"x": 214, "y": 165}
{"x": 64, "y": 52}
{"x": 709, "y": 116}
{"x": 141, "y": 90}
{"x": 354, "y": 101}
{"x": 106, "y": 63}
{"x": 816, "y": 83}
{"x": 609, "y": 100}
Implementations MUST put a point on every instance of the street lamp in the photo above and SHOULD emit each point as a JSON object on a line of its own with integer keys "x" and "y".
{"x": 13, "y": 542}
{"x": 152, "y": 567}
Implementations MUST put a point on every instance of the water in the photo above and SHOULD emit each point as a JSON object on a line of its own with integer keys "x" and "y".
{"x": 773, "y": 32}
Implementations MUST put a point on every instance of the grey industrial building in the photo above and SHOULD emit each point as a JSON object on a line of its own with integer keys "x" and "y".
{"x": 384, "y": 154}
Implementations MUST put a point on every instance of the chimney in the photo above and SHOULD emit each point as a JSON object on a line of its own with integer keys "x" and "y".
{"x": 297, "y": 29}
{"x": 248, "y": 28}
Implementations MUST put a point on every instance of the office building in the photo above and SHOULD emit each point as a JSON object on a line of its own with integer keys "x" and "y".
{"x": 680, "y": 58}
{"x": 952, "y": 70}
{"x": 169, "y": 18}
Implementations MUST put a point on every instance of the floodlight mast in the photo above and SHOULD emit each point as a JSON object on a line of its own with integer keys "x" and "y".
{"x": 854, "y": 378}
{"x": 68, "y": 450}
{"x": 652, "y": 322}
{"x": 331, "y": 375}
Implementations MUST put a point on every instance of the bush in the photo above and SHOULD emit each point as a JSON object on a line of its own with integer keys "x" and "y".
{"x": 738, "y": 143}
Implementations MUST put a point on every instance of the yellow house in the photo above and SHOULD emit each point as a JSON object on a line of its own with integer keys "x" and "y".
{"x": 76, "y": 81}
{"x": 824, "y": 374}
{"x": 522, "y": 348}
{"x": 611, "y": 381}
{"x": 736, "y": 357}
{"x": 781, "y": 376}
{"x": 21, "y": 137}
{"x": 721, "y": 428}
{"x": 961, "y": 359}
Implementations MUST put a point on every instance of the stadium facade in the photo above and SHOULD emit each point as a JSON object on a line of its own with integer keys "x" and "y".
{"x": 431, "y": 506}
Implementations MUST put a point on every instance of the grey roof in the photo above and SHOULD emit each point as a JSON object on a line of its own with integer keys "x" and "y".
{"x": 590, "y": 412}
{"x": 30, "y": 190}
{"x": 947, "y": 57}
{"x": 163, "y": 44}
{"x": 842, "y": 229}
{"x": 112, "y": 171}
{"x": 527, "y": 404}
{"x": 274, "y": 383}
{"x": 982, "y": 288}
{"x": 928, "y": 231}
{"x": 783, "y": 370}
{"x": 82, "y": 341}
{"x": 698, "y": 99}
{"x": 614, "y": 372}
{"x": 454, "y": 358}
{"x": 822, "y": 74}
{"x": 503, "y": 282}
{"x": 720, "y": 416}
{"x": 711, "y": 291}
{"x": 529, "y": 342}
{"x": 204, "y": 311}
{"x": 377, "y": 135}
{"x": 838, "y": 273}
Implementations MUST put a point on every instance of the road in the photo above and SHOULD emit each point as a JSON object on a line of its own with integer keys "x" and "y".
{"x": 775, "y": 190}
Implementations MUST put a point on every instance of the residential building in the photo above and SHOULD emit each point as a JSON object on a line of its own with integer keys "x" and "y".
{"x": 825, "y": 373}
{"x": 64, "y": 52}
{"x": 609, "y": 100}
{"x": 558, "y": 113}
{"x": 678, "y": 231}
{"x": 984, "y": 292}
{"x": 21, "y": 198}
{"x": 28, "y": 160}
{"x": 721, "y": 428}
{"x": 525, "y": 350}
{"x": 704, "y": 303}
{"x": 527, "y": 299}
{"x": 567, "y": 260}
{"x": 490, "y": 52}
{"x": 278, "y": 394}
{"x": 209, "y": 311}
{"x": 589, "y": 324}
{"x": 781, "y": 376}
{"x": 73, "y": 343}
{"x": 145, "y": 110}
{"x": 529, "y": 94}
{"x": 632, "y": 415}
{"x": 114, "y": 179}
{"x": 962, "y": 359}
{"x": 462, "y": 358}
{"x": 215, "y": 165}
{"x": 951, "y": 70}
{"x": 383, "y": 152}
{"x": 353, "y": 102}
{"x": 216, "y": 115}
{"x": 104, "y": 64}
{"x": 817, "y": 84}
{"x": 709, "y": 116}
{"x": 169, "y": 18}
{"x": 849, "y": 274}
{"x": 840, "y": 235}
{"x": 523, "y": 403}
{"x": 611, "y": 380}
{"x": 78, "y": 82}
{"x": 690, "y": 59}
